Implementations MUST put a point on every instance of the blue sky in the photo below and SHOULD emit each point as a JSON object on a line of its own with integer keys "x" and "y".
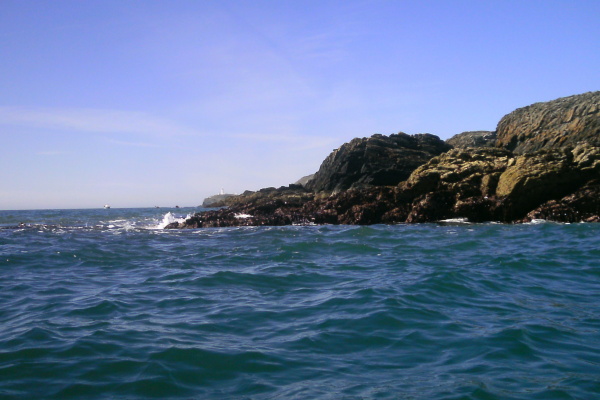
{"x": 144, "y": 103}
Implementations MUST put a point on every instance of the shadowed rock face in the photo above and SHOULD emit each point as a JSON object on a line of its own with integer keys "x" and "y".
{"x": 567, "y": 121}
{"x": 376, "y": 161}
{"x": 473, "y": 139}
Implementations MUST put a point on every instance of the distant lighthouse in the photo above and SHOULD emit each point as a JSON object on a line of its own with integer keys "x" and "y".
{"x": 222, "y": 191}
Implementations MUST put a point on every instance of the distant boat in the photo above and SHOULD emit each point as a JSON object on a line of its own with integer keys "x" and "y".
{"x": 106, "y": 206}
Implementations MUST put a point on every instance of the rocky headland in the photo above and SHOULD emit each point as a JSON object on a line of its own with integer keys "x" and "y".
{"x": 542, "y": 162}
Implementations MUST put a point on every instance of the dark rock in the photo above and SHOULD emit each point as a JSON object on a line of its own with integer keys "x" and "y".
{"x": 473, "y": 139}
{"x": 268, "y": 206}
{"x": 354, "y": 206}
{"x": 567, "y": 121}
{"x": 583, "y": 205}
{"x": 376, "y": 161}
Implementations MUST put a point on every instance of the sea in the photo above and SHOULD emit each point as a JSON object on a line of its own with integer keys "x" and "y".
{"x": 105, "y": 304}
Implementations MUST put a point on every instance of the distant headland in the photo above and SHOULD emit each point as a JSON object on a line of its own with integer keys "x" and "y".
{"x": 541, "y": 162}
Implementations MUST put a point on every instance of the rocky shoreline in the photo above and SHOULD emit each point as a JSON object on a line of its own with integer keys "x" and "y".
{"x": 542, "y": 162}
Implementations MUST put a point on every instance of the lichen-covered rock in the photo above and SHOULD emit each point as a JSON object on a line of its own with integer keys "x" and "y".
{"x": 567, "y": 121}
{"x": 473, "y": 139}
{"x": 532, "y": 179}
{"x": 465, "y": 172}
{"x": 376, "y": 161}
{"x": 457, "y": 184}
{"x": 493, "y": 184}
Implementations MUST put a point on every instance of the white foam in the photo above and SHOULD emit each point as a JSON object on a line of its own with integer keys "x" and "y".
{"x": 243, "y": 216}
{"x": 455, "y": 220}
{"x": 538, "y": 221}
{"x": 169, "y": 218}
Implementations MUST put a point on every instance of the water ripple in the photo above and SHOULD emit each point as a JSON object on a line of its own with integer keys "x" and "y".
{"x": 417, "y": 312}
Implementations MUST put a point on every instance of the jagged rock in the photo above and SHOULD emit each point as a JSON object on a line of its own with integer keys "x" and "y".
{"x": 491, "y": 184}
{"x": 473, "y": 139}
{"x": 583, "y": 205}
{"x": 567, "y": 121}
{"x": 354, "y": 207}
{"x": 376, "y": 161}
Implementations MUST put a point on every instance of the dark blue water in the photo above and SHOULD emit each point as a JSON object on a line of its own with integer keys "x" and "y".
{"x": 98, "y": 304}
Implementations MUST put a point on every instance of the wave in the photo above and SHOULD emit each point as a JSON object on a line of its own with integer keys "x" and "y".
{"x": 169, "y": 218}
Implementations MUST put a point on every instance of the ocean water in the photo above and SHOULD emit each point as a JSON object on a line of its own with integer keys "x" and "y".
{"x": 100, "y": 304}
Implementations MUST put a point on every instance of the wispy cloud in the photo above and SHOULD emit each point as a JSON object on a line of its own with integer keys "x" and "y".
{"x": 295, "y": 142}
{"x": 51, "y": 153}
{"x": 93, "y": 120}
{"x": 132, "y": 144}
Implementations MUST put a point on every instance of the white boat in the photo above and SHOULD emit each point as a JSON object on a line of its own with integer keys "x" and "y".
{"x": 106, "y": 206}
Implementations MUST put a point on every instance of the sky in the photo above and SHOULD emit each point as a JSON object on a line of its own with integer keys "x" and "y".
{"x": 163, "y": 103}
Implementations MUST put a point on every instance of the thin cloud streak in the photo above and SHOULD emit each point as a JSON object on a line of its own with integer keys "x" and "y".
{"x": 94, "y": 120}
{"x": 133, "y": 144}
{"x": 51, "y": 153}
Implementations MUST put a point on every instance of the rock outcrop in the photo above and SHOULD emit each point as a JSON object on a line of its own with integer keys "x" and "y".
{"x": 376, "y": 161}
{"x": 581, "y": 206}
{"x": 215, "y": 200}
{"x": 494, "y": 185}
{"x": 304, "y": 180}
{"x": 546, "y": 165}
{"x": 473, "y": 139}
{"x": 556, "y": 124}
